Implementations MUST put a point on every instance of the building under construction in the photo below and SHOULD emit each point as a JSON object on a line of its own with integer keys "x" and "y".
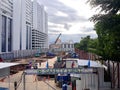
{"x": 59, "y": 46}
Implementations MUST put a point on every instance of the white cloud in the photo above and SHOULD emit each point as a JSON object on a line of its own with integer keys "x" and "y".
{"x": 55, "y": 25}
{"x": 81, "y": 28}
{"x": 56, "y": 28}
{"x": 69, "y": 17}
{"x": 81, "y": 6}
{"x": 59, "y": 13}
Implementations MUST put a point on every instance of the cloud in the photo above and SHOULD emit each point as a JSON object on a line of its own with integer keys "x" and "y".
{"x": 69, "y": 37}
{"x": 55, "y": 25}
{"x": 66, "y": 13}
{"x": 56, "y": 28}
{"x": 59, "y": 13}
{"x": 69, "y": 17}
{"x": 54, "y": 31}
{"x": 88, "y": 29}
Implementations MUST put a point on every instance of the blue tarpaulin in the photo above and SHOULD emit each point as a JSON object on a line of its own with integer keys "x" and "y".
{"x": 63, "y": 78}
{"x": 1, "y": 88}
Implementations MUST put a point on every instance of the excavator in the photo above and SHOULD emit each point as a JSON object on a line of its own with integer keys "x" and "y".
{"x": 57, "y": 38}
{"x": 37, "y": 54}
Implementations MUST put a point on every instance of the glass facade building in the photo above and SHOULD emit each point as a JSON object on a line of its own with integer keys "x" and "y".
{"x": 20, "y": 28}
{"x": 6, "y": 20}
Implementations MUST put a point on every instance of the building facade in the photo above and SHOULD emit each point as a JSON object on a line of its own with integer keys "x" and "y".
{"x": 40, "y": 27}
{"x": 22, "y": 24}
{"x": 6, "y": 25}
{"x": 62, "y": 47}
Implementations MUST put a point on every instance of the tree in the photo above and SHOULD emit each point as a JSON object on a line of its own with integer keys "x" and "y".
{"x": 93, "y": 45}
{"x": 107, "y": 26}
{"x": 108, "y": 7}
{"x": 84, "y": 43}
{"x": 76, "y": 45}
{"x": 87, "y": 44}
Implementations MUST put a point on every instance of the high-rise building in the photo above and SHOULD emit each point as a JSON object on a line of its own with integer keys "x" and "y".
{"x": 22, "y": 24}
{"x": 40, "y": 28}
{"x": 6, "y": 25}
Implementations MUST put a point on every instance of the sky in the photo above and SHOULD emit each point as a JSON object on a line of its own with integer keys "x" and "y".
{"x": 70, "y": 18}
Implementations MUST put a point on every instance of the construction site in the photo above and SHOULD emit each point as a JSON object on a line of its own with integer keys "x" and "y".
{"x": 62, "y": 67}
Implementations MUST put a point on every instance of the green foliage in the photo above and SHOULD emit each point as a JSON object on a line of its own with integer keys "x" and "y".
{"x": 84, "y": 43}
{"x": 93, "y": 45}
{"x": 76, "y": 45}
{"x": 87, "y": 44}
{"x": 108, "y": 37}
{"x": 107, "y": 27}
{"x": 108, "y": 6}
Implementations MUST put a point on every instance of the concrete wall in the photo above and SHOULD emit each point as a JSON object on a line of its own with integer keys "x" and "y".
{"x": 102, "y": 83}
{"x": 87, "y": 81}
{"x": 20, "y": 54}
{"x": 91, "y": 81}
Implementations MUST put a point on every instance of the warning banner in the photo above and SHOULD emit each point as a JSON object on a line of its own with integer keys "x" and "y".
{"x": 44, "y": 71}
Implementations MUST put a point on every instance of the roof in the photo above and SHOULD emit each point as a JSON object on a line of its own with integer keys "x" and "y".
{"x": 71, "y": 59}
{"x": 82, "y": 62}
{"x": 5, "y": 64}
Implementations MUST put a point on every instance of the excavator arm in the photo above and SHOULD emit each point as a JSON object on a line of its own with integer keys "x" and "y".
{"x": 57, "y": 38}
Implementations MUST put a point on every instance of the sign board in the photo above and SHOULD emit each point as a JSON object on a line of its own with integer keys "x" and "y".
{"x": 52, "y": 71}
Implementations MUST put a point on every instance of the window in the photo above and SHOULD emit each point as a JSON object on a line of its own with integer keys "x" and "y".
{"x": 9, "y": 34}
{"x": 64, "y": 45}
{"x": 68, "y": 45}
{"x": 3, "y": 34}
{"x": 30, "y": 38}
{"x": 26, "y": 37}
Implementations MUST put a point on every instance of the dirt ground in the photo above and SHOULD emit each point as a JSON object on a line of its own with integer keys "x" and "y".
{"x": 31, "y": 83}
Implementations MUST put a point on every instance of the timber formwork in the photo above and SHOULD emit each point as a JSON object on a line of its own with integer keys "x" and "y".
{"x": 115, "y": 74}
{"x": 85, "y": 55}
{"x": 114, "y": 67}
